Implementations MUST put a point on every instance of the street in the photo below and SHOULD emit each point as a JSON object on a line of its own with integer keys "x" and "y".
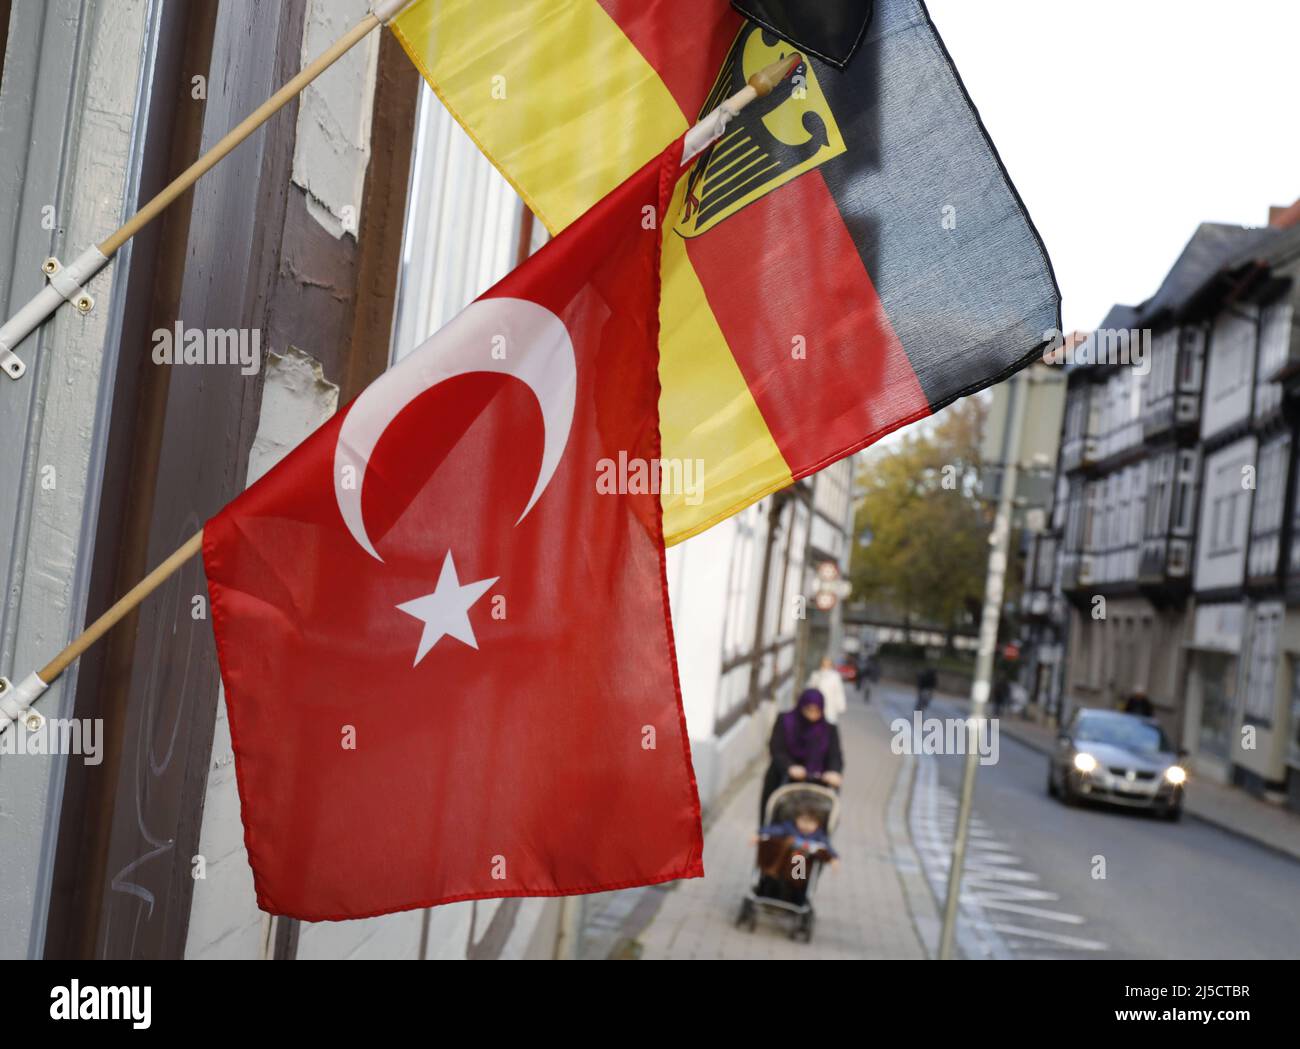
{"x": 1170, "y": 890}
{"x": 1160, "y": 890}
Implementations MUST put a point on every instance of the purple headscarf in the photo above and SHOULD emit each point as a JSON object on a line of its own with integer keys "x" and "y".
{"x": 807, "y": 741}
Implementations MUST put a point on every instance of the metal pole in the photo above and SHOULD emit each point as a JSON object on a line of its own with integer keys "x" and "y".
{"x": 569, "y": 934}
{"x": 994, "y": 584}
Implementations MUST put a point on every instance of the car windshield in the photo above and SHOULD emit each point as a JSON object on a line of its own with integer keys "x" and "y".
{"x": 1131, "y": 733}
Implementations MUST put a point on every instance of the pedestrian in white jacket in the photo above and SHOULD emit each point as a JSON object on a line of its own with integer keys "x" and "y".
{"x": 828, "y": 682}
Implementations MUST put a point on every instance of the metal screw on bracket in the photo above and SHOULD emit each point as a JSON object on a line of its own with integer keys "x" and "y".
{"x": 85, "y": 303}
{"x": 33, "y": 721}
{"x": 3, "y": 684}
{"x": 50, "y": 266}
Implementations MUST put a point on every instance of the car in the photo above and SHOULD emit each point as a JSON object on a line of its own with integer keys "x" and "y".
{"x": 1122, "y": 759}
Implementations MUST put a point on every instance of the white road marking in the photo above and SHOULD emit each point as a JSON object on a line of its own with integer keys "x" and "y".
{"x": 994, "y": 881}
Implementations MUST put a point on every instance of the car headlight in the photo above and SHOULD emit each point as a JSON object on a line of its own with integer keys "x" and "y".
{"x": 1084, "y": 761}
{"x": 1176, "y": 775}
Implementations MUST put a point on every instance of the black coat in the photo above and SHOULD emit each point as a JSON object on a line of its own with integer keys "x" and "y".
{"x": 781, "y": 759}
{"x": 777, "y": 771}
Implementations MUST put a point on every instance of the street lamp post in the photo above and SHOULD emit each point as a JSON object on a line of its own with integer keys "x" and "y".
{"x": 994, "y": 584}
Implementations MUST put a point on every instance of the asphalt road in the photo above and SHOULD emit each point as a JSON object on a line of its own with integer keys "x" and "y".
{"x": 1184, "y": 890}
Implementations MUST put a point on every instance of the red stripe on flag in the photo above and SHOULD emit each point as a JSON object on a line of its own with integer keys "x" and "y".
{"x": 684, "y": 40}
{"x": 785, "y": 268}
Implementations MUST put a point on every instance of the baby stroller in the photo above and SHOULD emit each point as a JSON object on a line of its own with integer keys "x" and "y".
{"x": 779, "y": 887}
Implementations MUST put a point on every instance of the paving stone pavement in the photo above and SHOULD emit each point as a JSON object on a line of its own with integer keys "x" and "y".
{"x": 861, "y": 909}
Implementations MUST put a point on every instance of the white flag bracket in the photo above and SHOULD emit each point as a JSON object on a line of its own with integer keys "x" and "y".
{"x": 387, "y": 10}
{"x": 714, "y": 124}
{"x": 66, "y": 284}
{"x": 16, "y": 703}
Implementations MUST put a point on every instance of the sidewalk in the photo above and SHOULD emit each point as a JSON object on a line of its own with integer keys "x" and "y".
{"x": 861, "y": 909}
{"x": 1228, "y": 808}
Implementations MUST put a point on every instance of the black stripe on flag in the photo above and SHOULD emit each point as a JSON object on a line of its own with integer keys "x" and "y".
{"x": 955, "y": 258}
{"x": 831, "y": 30}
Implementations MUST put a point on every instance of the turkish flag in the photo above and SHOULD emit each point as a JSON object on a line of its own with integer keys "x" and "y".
{"x": 447, "y": 652}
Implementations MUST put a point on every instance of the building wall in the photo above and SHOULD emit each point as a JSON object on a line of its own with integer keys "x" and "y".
{"x": 248, "y": 248}
{"x": 69, "y": 166}
{"x": 1230, "y": 372}
{"x": 1208, "y": 621}
{"x": 1136, "y": 646}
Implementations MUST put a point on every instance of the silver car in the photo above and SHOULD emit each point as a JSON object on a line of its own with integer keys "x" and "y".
{"x": 1103, "y": 755}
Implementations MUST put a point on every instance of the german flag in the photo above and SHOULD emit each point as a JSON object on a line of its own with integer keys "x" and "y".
{"x": 850, "y": 257}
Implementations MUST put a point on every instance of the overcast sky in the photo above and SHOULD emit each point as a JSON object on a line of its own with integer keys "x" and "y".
{"x": 1125, "y": 123}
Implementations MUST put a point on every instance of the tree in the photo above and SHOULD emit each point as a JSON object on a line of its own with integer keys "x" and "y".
{"x": 929, "y": 549}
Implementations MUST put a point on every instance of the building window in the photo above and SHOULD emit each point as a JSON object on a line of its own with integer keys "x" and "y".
{"x": 1159, "y": 496}
{"x": 1223, "y": 523}
{"x": 1261, "y": 663}
{"x": 1274, "y": 339}
{"x": 1217, "y": 673}
{"x": 1162, "y": 379}
{"x": 1230, "y": 369}
{"x": 1190, "y": 359}
{"x": 1228, "y": 505}
{"x": 1185, "y": 492}
{"x": 1266, "y": 525}
{"x": 1274, "y": 347}
{"x": 1092, "y": 518}
{"x": 1234, "y": 346}
{"x": 1139, "y": 495}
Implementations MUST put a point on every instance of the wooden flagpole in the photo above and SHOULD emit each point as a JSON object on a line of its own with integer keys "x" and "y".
{"x": 706, "y": 131}
{"x": 109, "y": 246}
{"x": 125, "y": 604}
{"x": 34, "y": 686}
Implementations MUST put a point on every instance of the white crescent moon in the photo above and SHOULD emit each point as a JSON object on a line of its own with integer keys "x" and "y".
{"x": 507, "y": 336}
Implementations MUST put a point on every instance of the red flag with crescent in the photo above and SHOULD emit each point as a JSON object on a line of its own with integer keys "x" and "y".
{"x": 446, "y": 646}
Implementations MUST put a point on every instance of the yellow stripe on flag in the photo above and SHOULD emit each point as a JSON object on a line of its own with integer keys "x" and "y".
{"x": 706, "y": 411}
{"x": 552, "y": 91}
{"x": 576, "y": 110}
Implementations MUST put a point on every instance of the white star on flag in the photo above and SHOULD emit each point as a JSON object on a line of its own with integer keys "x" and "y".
{"x": 445, "y": 612}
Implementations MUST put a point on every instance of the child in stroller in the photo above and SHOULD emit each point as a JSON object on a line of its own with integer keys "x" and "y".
{"x": 793, "y": 846}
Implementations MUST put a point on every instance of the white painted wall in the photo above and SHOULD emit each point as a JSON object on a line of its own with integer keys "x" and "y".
{"x": 63, "y": 152}
{"x": 1230, "y": 374}
{"x": 697, "y": 591}
{"x": 332, "y": 148}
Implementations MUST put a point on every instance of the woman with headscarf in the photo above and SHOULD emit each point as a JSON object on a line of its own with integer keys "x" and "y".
{"x": 804, "y": 747}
